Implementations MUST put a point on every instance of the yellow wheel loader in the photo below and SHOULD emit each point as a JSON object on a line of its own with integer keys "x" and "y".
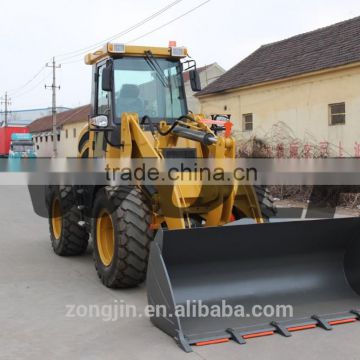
{"x": 180, "y": 237}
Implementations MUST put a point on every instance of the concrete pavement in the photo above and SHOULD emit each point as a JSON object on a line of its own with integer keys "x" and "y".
{"x": 36, "y": 286}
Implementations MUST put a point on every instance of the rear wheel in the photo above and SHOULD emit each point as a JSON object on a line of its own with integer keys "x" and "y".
{"x": 122, "y": 236}
{"x": 67, "y": 237}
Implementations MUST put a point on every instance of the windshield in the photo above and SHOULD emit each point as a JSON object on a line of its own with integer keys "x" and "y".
{"x": 146, "y": 89}
{"x": 22, "y": 147}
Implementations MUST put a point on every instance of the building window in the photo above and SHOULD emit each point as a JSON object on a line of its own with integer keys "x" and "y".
{"x": 247, "y": 122}
{"x": 337, "y": 114}
{"x": 58, "y": 137}
{"x": 52, "y": 138}
{"x": 66, "y": 133}
{"x": 46, "y": 138}
{"x": 40, "y": 138}
{"x": 74, "y": 132}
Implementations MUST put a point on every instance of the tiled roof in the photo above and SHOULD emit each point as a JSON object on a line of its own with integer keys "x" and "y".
{"x": 67, "y": 117}
{"x": 325, "y": 48}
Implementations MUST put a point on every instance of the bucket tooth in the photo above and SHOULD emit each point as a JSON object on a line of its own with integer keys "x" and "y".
{"x": 322, "y": 322}
{"x": 356, "y": 313}
{"x": 236, "y": 336}
{"x": 281, "y": 329}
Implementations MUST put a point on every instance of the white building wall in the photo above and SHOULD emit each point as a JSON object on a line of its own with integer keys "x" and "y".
{"x": 207, "y": 76}
{"x": 66, "y": 147}
{"x": 299, "y": 108}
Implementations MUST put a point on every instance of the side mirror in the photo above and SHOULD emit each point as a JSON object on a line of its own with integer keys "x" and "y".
{"x": 195, "y": 80}
{"x": 107, "y": 77}
{"x": 100, "y": 121}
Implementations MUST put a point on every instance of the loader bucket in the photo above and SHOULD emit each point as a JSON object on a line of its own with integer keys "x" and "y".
{"x": 311, "y": 267}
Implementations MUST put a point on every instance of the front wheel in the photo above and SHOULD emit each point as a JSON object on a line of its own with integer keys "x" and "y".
{"x": 266, "y": 202}
{"x": 122, "y": 235}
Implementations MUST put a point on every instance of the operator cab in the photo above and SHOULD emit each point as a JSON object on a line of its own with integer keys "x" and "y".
{"x": 141, "y": 80}
{"x": 137, "y": 87}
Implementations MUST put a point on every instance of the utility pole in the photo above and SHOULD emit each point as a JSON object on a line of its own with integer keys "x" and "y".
{"x": 54, "y": 87}
{"x": 7, "y": 102}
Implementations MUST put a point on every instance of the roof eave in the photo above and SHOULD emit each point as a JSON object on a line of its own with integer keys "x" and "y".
{"x": 271, "y": 82}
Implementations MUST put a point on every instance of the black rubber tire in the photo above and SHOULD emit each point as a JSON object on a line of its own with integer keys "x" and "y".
{"x": 74, "y": 239}
{"x": 267, "y": 206}
{"x": 131, "y": 217}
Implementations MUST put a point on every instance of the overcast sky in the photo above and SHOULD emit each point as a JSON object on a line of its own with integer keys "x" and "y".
{"x": 224, "y": 31}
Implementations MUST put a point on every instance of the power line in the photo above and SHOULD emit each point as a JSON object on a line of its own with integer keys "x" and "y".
{"x": 72, "y": 62}
{"x": 33, "y": 87}
{"x": 170, "y": 22}
{"x": 76, "y": 53}
{"x": 79, "y": 52}
{"x": 148, "y": 33}
{"x": 15, "y": 91}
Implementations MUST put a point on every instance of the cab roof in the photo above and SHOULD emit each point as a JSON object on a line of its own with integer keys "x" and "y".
{"x": 113, "y": 50}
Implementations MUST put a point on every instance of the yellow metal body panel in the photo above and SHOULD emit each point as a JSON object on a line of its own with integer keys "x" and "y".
{"x": 130, "y": 50}
{"x": 177, "y": 203}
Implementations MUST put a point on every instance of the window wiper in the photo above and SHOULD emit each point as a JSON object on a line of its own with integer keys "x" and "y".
{"x": 152, "y": 62}
{"x": 170, "y": 90}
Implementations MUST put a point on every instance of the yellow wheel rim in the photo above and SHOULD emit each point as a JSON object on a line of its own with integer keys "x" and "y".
{"x": 56, "y": 218}
{"x": 105, "y": 237}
